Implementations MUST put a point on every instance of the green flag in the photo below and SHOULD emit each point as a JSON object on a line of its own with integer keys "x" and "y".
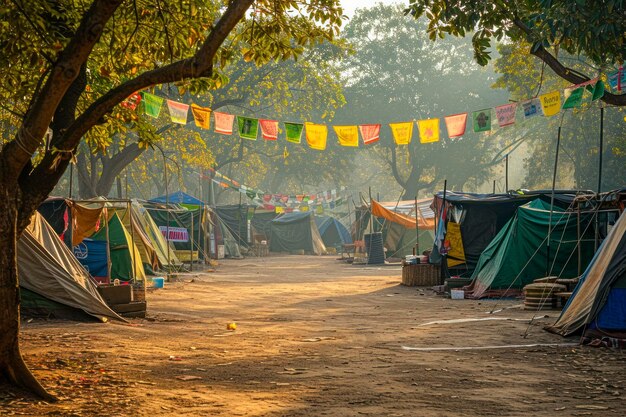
{"x": 294, "y": 132}
{"x": 598, "y": 91}
{"x": 248, "y": 127}
{"x": 151, "y": 104}
{"x": 575, "y": 98}
{"x": 482, "y": 120}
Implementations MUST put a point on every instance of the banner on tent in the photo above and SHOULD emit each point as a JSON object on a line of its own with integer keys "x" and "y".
{"x": 176, "y": 234}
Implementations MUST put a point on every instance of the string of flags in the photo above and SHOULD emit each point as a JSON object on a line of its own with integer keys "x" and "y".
{"x": 284, "y": 203}
{"x": 316, "y": 135}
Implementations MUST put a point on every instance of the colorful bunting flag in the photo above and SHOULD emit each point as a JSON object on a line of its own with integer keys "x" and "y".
{"x": 455, "y": 124}
{"x": 316, "y": 135}
{"x": 429, "y": 130}
{"x": 132, "y": 101}
{"x": 573, "y": 98}
{"x": 402, "y": 132}
{"x": 223, "y": 123}
{"x": 531, "y": 108}
{"x": 202, "y": 116}
{"x": 178, "y": 112}
{"x": 279, "y": 210}
{"x": 482, "y": 120}
{"x": 294, "y": 132}
{"x": 151, "y": 104}
{"x": 506, "y": 114}
{"x": 269, "y": 129}
{"x": 550, "y": 103}
{"x": 617, "y": 79}
{"x": 248, "y": 127}
{"x": 347, "y": 135}
{"x": 370, "y": 133}
{"x": 598, "y": 91}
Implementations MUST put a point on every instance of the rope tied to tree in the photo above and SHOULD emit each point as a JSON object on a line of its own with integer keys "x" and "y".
{"x": 61, "y": 155}
{"x": 22, "y": 135}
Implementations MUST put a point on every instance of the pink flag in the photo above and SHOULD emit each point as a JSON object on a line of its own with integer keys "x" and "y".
{"x": 456, "y": 124}
{"x": 370, "y": 133}
{"x": 269, "y": 129}
{"x": 506, "y": 114}
{"x": 224, "y": 123}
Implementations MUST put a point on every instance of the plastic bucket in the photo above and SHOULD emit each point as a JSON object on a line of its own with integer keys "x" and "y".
{"x": 158, "y": 282}
{"x": 457, "y": 294}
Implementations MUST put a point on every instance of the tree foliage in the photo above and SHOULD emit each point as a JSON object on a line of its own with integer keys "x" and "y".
{"x": 65, "y": 65}
{"x": 397, "y": 75}
{"x": 595, "y": 29}
{"x": 525, "y": 77}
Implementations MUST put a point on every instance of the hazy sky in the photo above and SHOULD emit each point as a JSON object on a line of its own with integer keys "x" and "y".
{"x": 349, "y": 6}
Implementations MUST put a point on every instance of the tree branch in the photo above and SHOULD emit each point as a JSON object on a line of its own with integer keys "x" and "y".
{"x": 18, "y": 152}
{"x": 564, "y": 72}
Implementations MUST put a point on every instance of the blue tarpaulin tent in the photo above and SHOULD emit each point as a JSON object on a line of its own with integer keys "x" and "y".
{"x": 178, "y": 197}
{"x": 332, "y": 231}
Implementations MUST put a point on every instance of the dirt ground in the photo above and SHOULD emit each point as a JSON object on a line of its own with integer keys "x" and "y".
{"x": 315, "y": 337}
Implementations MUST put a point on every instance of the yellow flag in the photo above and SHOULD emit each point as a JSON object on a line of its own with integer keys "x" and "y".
{"x": 316, "y": 135}
{"x": 402, "y": 132}
{"x": 279, "y": 210}
{"x": 347, "y": 135}
{"x": 201, "y": 115}
{"x": 551, "y": 103}
{"x": 429, "y": 130}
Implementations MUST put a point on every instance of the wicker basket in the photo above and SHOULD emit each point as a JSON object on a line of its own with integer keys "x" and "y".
{"x": 416, "y": 275}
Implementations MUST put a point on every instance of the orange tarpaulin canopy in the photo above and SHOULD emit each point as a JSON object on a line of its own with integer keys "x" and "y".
{"x": 409, "y": 222}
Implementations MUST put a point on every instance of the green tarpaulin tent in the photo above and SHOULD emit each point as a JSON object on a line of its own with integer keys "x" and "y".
{"x": 519, "y": 253}
{"x": 125, "y": 257}
{"x": 294, "y": 232}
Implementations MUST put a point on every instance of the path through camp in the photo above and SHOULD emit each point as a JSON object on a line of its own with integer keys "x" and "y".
{"x": 315, "y": 337}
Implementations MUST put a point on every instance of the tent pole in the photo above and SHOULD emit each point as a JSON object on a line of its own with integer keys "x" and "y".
{"x": 578, "y": 239}
{"x": 600, "y": 151}
{"x": 167, "y": 207}
{"x": 371, "y": 215}
{"x": 506, "y": 175}
{"x": 132, "y": 242}
{"x": 444, "y": 260}
{"x": 71, "y": 180}
{"x": 191, "y": 244}
{"x": 106, "y": 221}
{"x": 239, "y": 221}
{"x": 417, "y": 227}
{"x": 556, "y": 163}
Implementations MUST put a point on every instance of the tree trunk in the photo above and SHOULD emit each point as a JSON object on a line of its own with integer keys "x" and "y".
{"x": 12, "y": 366}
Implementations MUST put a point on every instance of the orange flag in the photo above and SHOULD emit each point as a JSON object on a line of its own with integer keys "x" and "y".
{"x": 202, "y": 116}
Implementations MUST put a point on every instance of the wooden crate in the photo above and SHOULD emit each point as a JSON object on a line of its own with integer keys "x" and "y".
{"x": 420, "y": 275}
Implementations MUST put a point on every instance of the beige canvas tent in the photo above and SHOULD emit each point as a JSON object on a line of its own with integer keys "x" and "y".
{"x": 48, "y": 268}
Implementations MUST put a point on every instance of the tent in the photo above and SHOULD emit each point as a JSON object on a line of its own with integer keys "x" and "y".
{"x": 125, "y": 257}
{"x": 296, "y": 231}
{"x": 180, "y": 198}
{"x": 396, "y": 221}
{"x": 187, "y": 228}
{"x": 476, "y": 220}
{"x": 519, "y": 253}
{"x": 597, "y": 306}
{"x": 48, "y": 269}
{"x": 331, "y": 230}
{"x": 159, "y": 244}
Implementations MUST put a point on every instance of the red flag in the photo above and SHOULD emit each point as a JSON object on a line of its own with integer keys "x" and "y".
{"x": 370, "y": 133}
{"x": 269, "y": 129}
